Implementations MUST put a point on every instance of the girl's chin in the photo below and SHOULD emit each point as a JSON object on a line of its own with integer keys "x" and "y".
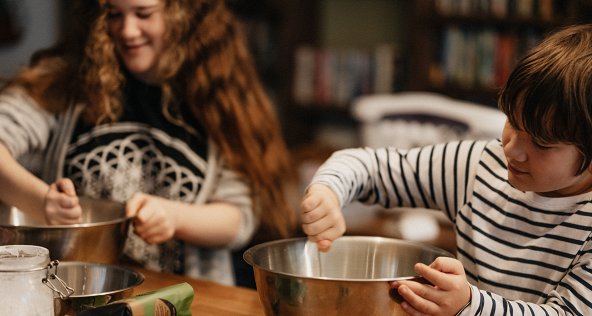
{"x": 136, "y": 70}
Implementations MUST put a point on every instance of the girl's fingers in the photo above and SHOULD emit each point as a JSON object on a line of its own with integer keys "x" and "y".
{"x": 134, "y": 204}
{"x": 66, "y": 186}
{"x": 68, "y": 202}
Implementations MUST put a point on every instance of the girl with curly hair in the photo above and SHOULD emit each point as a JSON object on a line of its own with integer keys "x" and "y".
{"x": 155, "y": 103}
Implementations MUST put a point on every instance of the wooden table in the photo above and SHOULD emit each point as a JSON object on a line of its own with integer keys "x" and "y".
{"x": 210, "y": 298}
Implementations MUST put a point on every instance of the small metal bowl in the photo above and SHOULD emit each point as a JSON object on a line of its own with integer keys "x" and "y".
{"x": 94, "y": 285}
{"x": 100, "y": 236}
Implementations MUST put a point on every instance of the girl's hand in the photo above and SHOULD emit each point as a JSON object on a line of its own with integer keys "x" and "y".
{"x": 449, "y": 293}
{"x": 153, "y": 222}
{"x": 61, "y": 205}
{"x": 322, "y": 219}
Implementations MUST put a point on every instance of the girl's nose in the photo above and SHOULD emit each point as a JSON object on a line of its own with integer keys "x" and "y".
{"x": 129, "y": 28}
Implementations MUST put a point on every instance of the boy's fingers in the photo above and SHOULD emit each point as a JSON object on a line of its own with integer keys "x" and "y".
{"x": 310, "y": 203}
{"x": 438, "y": 273}
{"x": 324, "y": 245}
{"x": 416, "y": 294}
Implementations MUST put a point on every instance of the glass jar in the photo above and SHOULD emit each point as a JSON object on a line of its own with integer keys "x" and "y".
{"x": 22, "y": 289}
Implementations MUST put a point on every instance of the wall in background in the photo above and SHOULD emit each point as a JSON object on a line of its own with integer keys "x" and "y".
{"x": 40, "y": 23}
{"x": 347, "y": 23}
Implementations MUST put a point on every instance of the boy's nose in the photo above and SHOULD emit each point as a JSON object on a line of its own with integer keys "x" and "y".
{"x": 514, "y": 148}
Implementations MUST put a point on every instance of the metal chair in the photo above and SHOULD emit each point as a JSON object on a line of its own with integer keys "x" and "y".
{"x": 411, "y": 119}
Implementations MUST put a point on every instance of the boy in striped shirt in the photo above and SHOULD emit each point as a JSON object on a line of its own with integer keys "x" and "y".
{"x": 521, "y": 206}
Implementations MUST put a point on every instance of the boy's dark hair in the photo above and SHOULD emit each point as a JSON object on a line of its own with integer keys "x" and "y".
{"x": 549, "y": 93}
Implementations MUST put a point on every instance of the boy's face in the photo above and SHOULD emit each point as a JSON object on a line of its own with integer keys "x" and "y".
{"x": 547, "y": 169}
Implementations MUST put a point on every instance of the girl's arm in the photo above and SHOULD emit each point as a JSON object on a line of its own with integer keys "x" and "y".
{"x": 24, "y": 131}
{"x": 208, "y": 225}
{"x": 20, "y": 188}
{"x": 55, "y": 204}
{"x": 226, "y": 220}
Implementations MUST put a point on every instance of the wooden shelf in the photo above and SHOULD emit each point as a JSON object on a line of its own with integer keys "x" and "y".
{"x": 295, "y": 23}
{"x": 436, "y": 29}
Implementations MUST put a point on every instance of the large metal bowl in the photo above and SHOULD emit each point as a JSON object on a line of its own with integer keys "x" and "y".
{"x": 94, "y": 285}
{"x": 294, "y": 278}
{"x": 98, "y": 238}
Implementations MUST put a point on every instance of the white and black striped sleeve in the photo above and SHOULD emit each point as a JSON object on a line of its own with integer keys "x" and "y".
{"x": 435, "y": 176}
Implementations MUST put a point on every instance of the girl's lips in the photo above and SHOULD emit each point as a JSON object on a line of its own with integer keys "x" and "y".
{"x": 132, "y": 47}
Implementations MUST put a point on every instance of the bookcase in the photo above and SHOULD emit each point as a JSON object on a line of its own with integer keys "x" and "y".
{"x": 316, "y": 56}
{"x": 466, "y": 48}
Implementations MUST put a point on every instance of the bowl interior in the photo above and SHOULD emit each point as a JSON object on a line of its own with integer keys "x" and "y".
{"x": 91, "y": 279}
{"x": 94, "y": 212}
{"x": 350, "y": 258}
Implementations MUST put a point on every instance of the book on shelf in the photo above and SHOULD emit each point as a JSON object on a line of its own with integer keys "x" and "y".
{"x": 504, "y": 57}
{"x": 333, "y": 76}
{"x": 525, "y": 9}
{"x": 482, "y": 57}
{"x": 303, "y": 89}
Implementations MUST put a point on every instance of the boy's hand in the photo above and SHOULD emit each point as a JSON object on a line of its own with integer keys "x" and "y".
{"x": 322, "y": 219}
{"x": 61, "y": 204}
{"x": 153, "y": 222}
{"x": 449, "y": 293}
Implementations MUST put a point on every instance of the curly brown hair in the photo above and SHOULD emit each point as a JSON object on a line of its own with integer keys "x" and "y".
{"x": 206, "y": 65}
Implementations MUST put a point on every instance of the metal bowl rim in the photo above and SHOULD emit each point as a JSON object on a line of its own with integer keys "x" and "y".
{"x": 247, "y": 256}
{"x": 139, "y": 276}
{"x": 83, "y": 200}
{"x": 62, "y": 226}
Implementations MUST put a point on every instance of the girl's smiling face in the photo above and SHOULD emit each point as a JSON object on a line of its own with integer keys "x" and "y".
{"x": 547, "y": 169}
{"x": 138, "y": 30}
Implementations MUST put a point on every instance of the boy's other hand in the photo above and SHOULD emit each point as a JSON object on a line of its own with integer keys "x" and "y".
{"x": 322, "y": 219}
{"x": 447, "y": 295}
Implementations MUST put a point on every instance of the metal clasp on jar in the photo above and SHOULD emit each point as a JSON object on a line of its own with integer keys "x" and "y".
{"x": 49, "y": 276}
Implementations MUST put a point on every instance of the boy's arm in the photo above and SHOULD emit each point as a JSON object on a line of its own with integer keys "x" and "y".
{"x": 431, "y": 177}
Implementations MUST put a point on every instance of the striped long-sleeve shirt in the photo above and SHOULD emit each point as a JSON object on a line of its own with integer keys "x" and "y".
{"x": 524, "y": 254}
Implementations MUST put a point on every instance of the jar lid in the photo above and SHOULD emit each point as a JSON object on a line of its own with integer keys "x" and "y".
{"x": 23, "y": 258}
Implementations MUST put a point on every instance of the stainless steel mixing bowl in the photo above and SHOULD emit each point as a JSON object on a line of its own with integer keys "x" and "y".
{"x": 293, "y": 278}
{"x": 99, "y": 238}
{"x": 94, "y": 285}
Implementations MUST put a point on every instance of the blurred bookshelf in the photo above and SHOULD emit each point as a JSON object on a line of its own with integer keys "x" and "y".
{"x": 316, "y": 56}
{"x": 466, "y": 49}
